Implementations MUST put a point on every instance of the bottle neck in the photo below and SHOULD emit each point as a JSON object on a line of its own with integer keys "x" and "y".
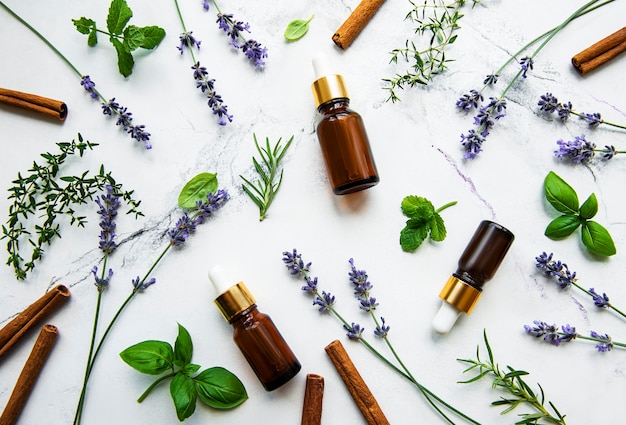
{"x": 334, "y": 105}
{"x": 242, "y": 315}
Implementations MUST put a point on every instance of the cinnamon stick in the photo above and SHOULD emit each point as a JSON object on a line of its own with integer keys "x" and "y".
{"x": 29, "y": 375}
{"x": 34, "y": 313}
{"x": 352, "y": 27}
{"x": 313, "y": 395}
{"x": 32, "y": 102}
{"x": 357, "y": 387}
{"x": 601, "y": 52}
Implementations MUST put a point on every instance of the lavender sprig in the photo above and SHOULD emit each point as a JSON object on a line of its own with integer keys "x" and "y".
{"x": 177, "y": 236}
{"x": 567, "y": 278}
{"x": 581, "y": 150}
{"x": 136, "y": 132}
{"x": 549, "y": 103}
{"x": 473, "y": 140}
{"x": 234, "y": 29}
{"x": 201, "y": 75}
{"x": 566, "y": 333}
{"x": 325, "y": 302}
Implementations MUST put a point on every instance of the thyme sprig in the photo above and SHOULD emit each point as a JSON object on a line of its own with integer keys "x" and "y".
{"x": 511, "y": 380}
{"x": 437, "y": 19}
{"x": 45, "y": 194}
{"x": 263, "y": 192}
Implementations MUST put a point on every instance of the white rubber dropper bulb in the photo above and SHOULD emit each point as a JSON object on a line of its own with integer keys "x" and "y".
{"x": 221, "y": 279}
{"x": 321, "y": 66}
{"x": 445, "y": 318}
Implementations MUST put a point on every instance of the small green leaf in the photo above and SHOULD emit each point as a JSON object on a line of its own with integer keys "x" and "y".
{"x": 152, "y": 36}
{"x": 190, "y": 369}
{"x": 197, "y": 189}
{"x": 560, "y": 194}
{"x": 297, "y": 29}
{"x": 589, "y": 208}
{"x": 184, "y": 395}
{"x": 118, "y": 17}
{"x": 183, "y": 347}
{"x": 562, "y": 226}
{"x": 125, "y": 61}
{"x": 133, "y": 37}
{"x": 219, "y": 388}
{"x": 597, "y": 239}
{"x": 84, "y": 25}
{"x": 412, "y": 236}
{"x": 437, "y": 228}
{"x": 92, "y": 39}
{"x": 417, "y": 207}
{"x": 150, "y": 357}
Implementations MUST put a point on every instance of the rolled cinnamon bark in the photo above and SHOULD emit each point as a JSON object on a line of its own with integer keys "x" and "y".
{"x": 32, "y": 102}
{"x": 601, "y": 52}
{"x": 352, "y": 27}
{"x": 313, "y": 395}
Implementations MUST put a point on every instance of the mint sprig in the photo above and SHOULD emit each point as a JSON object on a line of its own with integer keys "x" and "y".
{"x": 216, "y": 387}
{"x": 564, "y": 199}
{"x": 125, "y": 38}
{"x": 423, "y": 220}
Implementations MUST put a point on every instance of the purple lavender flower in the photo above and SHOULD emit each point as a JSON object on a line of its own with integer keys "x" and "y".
{"x": 187, "y": 40}
{"x": 527, "y": 65}
{"x": 382, "y": 330}
{"x": 252, "y": 49}
{"x": 542, "y": 329}
{"x": 564, "y": 111}
{"x": 605, "y": 344}
{"x": 101, "y": 282}
{"x": 108, "y": 205}
{"x": 568, "y": 333}
{"x": 294, "y": 263}
{"x": 470, "y": 100}
{"x": 491, "y": 79}
{"x": 579, "y": 150}
{"x": 548, "y": 103}
{"x": 311, "y": 285}
{"x": 187, "y": 224}
{"x": 601, "y": 301}
{"x": 205, "y": 4}
{"x": 368, "y": 303}
{"x": 89, "y": 85}
{"x": 610, "y": 152}
{"x": 324, "y": 301}
{"x": 140, "y": 285}
{"x": 472, "y": 142}
{"x": 125, "y": 119}
{"x": 215, "y": 102}
{"x": 484, "y": 121}
{"x": 557, "y": 269}
{"x": 358, "y": 278}
{"x": 355, "y": 331}
{"x": 594, "y": 119}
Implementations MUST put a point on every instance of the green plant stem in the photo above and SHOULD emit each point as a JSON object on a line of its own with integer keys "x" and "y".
{"x": 612, "y": 307}
{"x": 443, "y": 207}
{"x": 145, "y": 394}
{"x": 584, "y": 117}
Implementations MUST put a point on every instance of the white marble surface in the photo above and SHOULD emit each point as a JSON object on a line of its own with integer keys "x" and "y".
{"x": 416, "y": 147}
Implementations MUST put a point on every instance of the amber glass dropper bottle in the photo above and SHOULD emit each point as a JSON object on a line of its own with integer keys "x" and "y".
{"x": 341, "y": 134}
{"x": 255, "y": 334}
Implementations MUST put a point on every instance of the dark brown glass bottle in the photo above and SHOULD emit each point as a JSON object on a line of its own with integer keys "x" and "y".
{"x": 342, "y": 137}
{"x": 256, "y": 335}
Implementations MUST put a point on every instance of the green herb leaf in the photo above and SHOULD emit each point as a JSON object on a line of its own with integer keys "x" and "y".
{"x": 562, "y": 226}
{"x": 412, "y": 236}
{"x": 197, "y": 189}
{"x": 190, "y": 369}
{"x": 437, "y": 228}
{"x": 118, "y": 17}
{"x": 597, "y": 239}
{"x": 297, "y": 29}
{"x": 150, "y": 357}
{"x": 184, "y": 395}
{"x": 589, "y": 208}
{"x": 417, "y": 207}
{"x": 423, "y": 218}
{"x": 125, "y": 61}
{"x": 183, "y": 347}
{"x": 152, "y": 36}
{"x": 84, "y": 25}
{"x": 560, "y": 194}
{"x": 133, "y": 37}
{"x": 219, "y": 388}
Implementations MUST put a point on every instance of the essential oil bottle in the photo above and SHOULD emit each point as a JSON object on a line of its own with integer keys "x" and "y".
{"x": 478, "y": 264}
{"x": 341, "y": 134}
{"x": 255, "y": 334}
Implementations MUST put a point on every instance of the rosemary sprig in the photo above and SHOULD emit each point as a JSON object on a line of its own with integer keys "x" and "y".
{"x": 263, "y": 192}
{"x": 439, "y": 20}
{"x": 512, "y": 381}
{"x": 46, "y": 195}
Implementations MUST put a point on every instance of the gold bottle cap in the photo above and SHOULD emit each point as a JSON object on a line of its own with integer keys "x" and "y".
{"x": 460, "y": 294}
{"x": 235, "y": 300}
{"x": 327, "y": 88}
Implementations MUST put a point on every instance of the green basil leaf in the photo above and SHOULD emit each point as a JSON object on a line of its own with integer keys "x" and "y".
{"x": 197, "y": 189}
{"x": 118, "y": 17}
{"x": 589, "y": 208}
{"x": 437, "y": 228}
{"x": 184, "y": 395}
{"x": 152, "y": 36}
{"x": 133, "y": 37}
{"x": 412, "y": 236}
{"x": 219, "y": 388}
{"x": 560, "y": 194}
{"x": 183, "y": 347}
{"x": 417, "y": 207}
{"x": 562, "y": 226}
{"x": 297, "y": 29}
{"x": 150, "y": 357}
{"x": 190, "y": 369}
{"x": 125, "y": 61}
{"x": 84, "y": 25}
{"x": 597, "y": 239}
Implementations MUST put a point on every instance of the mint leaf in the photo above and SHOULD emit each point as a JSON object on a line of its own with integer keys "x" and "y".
{"x": 125, "y": 61}
{"x": 118, "y": 17}
{"x": 297, "y": 29}
{"x": 589, "y": 208}
{"x": 133, "y": 37}
{"x": 437, "y": 228}
{"x": 412, "y": 236}
{"x": 183, "y": 347}
{"x": 416, "y": 206}
{"x": 197, "y": 189}
{"x": 84, "y": 25}
{"x": 152, "y": 36}
{"x": 150, "y": 357}
{"x": 597, "y": 239}
{"x": 562, "y": 226}
{"x": 219, "y": 388}
{"x": 184, "y": 395}
{"x": 560, "y": 194}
